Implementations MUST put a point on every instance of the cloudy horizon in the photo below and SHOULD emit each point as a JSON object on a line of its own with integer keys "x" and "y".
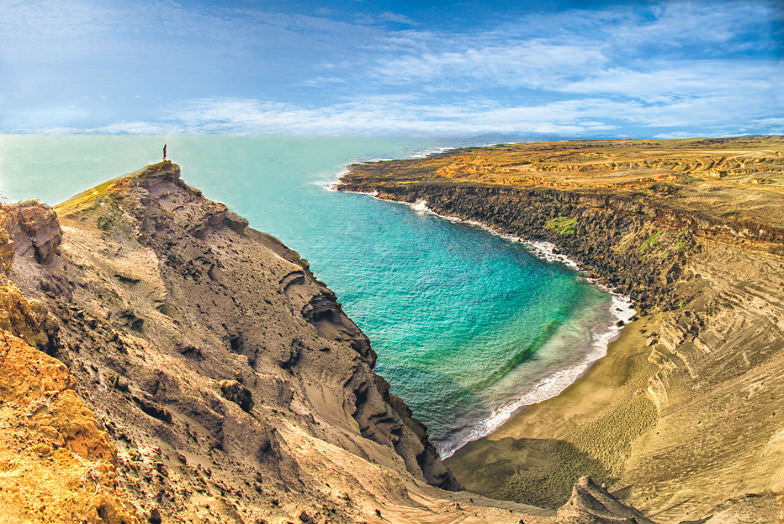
{"x": 643, "y": 69}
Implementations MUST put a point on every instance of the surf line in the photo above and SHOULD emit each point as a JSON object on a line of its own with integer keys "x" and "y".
{"x": 621, "y": 312}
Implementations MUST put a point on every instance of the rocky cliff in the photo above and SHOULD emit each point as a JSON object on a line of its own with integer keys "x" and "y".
{"x": 683, "y": 419}
{"x": 191, "y": 369}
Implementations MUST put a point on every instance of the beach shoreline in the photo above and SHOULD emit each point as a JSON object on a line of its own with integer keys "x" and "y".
{"x": 621, "y": 312}
{"x": 664, "y": 418}
{"x": 535, "y": 440}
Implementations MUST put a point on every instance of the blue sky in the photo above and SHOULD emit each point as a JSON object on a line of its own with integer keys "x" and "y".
{"x": 558, "y": 68}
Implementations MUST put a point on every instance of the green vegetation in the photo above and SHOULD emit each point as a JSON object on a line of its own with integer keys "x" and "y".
{"x": 651, "y": 241}
{"x": 686, "y": 180}
{"x": 680, "y": 246}
{"x": 86, "y": 200}
{"x": 105, "y": 222}
{"x": 565, "y": 226}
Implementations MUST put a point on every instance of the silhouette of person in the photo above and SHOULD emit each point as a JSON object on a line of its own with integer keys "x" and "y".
{"x": 164, "y": 152}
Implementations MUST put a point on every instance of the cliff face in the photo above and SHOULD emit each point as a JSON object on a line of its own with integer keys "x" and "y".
{"x": 175, "y": 365}
{"x": 58, "y": 465}
{"x": 686, "y": 424}
{"x": 210, "y": 377}
{"x": 210, "y": 352}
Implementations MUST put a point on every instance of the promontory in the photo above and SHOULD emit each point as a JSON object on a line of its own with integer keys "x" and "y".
{"x": 163, "y": 362}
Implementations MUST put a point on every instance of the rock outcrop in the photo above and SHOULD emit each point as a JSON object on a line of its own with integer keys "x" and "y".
{"x": 207, "y": 348}
{"x": 592, "y": 504}
{"x": 164, "y": 362}
{"x": 58, "y": 465}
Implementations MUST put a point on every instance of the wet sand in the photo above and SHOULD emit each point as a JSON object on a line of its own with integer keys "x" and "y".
{"x": 539, "y": 453}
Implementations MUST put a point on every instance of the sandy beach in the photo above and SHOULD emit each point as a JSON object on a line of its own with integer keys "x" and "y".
{"x": 538, "y": 451}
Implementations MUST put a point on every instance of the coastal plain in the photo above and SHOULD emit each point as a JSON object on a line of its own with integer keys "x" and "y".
{"x": 683, "y": 416}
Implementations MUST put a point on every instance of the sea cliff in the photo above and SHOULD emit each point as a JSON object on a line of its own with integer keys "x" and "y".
{"x": 682, "y": 417}
{"x": 162, "y": 361}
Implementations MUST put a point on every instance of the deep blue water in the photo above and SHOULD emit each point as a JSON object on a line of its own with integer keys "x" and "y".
{"x": 468, "y": 326}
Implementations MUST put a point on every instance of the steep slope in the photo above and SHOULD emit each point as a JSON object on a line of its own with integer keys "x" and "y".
{"x": 56, "y": 465}
{"x": 683, "y": 417}
{"x": 232, "y": 384}
{"x": 211, "y": 352}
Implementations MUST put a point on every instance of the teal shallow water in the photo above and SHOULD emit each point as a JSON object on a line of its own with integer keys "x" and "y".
{"x": 468, "y": 326}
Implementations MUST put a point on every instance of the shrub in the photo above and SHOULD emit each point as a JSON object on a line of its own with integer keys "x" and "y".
{"x": 564, "y": 226}
{"x": 651, "y": 241}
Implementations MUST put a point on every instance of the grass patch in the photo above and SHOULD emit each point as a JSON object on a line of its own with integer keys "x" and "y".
{"x": 650, "y": 242}
{"x": 105, "y": 222}
{"x": 86, "y": 200}
{"x": 687, "y": 179}
{"x": 564, "y": 226}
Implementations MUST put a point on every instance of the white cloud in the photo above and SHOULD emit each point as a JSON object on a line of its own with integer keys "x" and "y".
{"x": 385, "y": 17}
{"x": 139, "y": 128}
{"x": 321, "y": 81}
{"x": 675, "y": 134}
{"x": 533, "y": 64}
{"x": 670, "y": 67}
{"x": 407, "y": 114}
{"x": 684, "y": 78}
{"x": 389, "y": 16}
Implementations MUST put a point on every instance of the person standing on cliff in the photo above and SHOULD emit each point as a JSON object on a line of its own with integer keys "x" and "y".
{"x": 164, "y": 152}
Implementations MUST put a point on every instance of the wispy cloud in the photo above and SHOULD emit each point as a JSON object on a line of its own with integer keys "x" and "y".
{"x": 409, "y": 115}
{"x": 385, "y": 17}
{"x": 650, "y": 68}
{"x": 321, "y": 81}
{"x": 532, "y": 64}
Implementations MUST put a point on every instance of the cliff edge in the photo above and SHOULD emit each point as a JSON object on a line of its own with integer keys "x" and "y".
{"x": 209, "y": 375}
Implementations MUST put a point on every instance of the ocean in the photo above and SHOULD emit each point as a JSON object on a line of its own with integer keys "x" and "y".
{"x": 469, "y": 326}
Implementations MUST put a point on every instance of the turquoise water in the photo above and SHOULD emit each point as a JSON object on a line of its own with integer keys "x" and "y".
{"x": 468, "y": 326}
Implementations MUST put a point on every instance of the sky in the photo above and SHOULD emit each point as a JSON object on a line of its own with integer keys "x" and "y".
{"x": 366, "y": 67}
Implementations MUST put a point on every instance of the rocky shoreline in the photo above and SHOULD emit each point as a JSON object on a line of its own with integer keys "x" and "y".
{"x": 620, "y": 309}
{"x": 702, "y": 258}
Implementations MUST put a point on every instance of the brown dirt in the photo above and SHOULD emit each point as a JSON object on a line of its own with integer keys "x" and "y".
{"x": 56, "y": 465}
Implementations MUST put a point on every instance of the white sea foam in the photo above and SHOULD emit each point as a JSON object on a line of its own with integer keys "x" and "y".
{"x": 595, "y": 347}
{"x": 420, "y": 208}
{"x": 427, "y": 152}
{"x": 331, "y": 184}
{"x": 553, "y": 384}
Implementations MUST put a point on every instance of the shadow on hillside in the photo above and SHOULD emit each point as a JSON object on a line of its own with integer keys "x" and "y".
{"x": 540, "y": 472}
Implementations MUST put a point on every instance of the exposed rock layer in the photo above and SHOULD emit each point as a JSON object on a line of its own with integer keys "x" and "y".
{"x": 58, "y": 466}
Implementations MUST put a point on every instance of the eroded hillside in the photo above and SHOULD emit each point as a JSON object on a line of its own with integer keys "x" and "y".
{"x": 57, "y": 465}
{"x": 217, "y": 379}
